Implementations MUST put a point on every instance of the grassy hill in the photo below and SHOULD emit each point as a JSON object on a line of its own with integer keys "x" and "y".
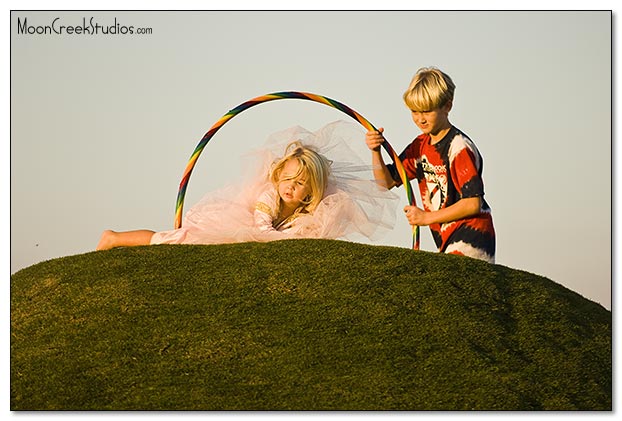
{"x": 301, "y": 325}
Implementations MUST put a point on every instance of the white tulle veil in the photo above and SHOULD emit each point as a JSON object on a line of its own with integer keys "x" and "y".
{"x": 354, "y": 206}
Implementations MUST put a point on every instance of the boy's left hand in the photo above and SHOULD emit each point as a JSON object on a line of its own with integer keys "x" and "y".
{"x": 416, "y": 216}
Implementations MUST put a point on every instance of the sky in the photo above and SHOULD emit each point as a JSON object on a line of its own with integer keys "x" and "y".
{"x": 101, "y": 127}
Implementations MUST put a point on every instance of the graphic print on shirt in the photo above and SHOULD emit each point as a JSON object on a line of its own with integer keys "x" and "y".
{"x": 436, "y": 183}
{"x": 447, "y": 172}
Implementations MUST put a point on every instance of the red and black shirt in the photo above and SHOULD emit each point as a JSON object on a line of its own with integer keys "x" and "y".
{"x": 448, "y": 171}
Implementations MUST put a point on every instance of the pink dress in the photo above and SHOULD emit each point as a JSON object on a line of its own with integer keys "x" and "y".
{"x": 354, "y": 207}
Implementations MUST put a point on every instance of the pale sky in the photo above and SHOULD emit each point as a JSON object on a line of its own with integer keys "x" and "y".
{"x": 102, "y": 126}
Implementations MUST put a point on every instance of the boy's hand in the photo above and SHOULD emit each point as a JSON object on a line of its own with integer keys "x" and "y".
{"x": 416, "y": 216}
{"x": 374, "y": 139}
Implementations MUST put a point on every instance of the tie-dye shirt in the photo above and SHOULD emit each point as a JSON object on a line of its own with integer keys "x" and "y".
{"x": 448, "y": 171}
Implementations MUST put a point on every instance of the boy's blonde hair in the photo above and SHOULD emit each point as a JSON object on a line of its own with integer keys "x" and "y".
{"x": 429, "y": 89}
{"x": 314, "y": 168}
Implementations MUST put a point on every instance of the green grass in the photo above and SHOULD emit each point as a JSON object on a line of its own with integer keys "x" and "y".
{"x": 301, "y": 325}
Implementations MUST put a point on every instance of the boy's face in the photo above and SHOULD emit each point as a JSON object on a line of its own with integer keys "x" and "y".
{"x": 433, "y": 121}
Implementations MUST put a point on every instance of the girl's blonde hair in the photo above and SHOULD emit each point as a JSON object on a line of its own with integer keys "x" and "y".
{"x": 429, "y": 89}
{"x": 314, "y": 168}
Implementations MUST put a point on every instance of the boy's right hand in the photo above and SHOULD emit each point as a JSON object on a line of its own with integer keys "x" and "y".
{"x": 374, "y": 139}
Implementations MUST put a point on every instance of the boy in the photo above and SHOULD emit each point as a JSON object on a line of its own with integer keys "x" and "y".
{"x": 448, "y": 168}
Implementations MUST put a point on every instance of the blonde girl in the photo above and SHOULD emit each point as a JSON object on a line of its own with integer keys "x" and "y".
{"x": 301, "y": 194}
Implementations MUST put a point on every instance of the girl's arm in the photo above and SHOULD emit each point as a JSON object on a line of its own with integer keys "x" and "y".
{"x": 381, "y": 173}
{"x": 263, "y": 217}
{"x": 463, "y": 208}
{"x": 265, "y": 211}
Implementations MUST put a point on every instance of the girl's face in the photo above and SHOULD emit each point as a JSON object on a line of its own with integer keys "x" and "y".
{"x": 292, "y": 190}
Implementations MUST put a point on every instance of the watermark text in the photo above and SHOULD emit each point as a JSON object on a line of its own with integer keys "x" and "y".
{"x": 89, "y": 26}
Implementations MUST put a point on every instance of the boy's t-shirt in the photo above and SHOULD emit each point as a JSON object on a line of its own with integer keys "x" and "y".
{"x": 447, "y": 172}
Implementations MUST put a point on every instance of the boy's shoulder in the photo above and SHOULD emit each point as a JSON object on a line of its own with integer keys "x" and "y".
{"x": 458, "y": 142}
{"x": 458, "y": 136}
{"x": 456, "y": 133}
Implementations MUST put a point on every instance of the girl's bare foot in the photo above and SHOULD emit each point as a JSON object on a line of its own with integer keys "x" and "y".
{"x": 106, "y": 241}
{"x": 111, "y": 239}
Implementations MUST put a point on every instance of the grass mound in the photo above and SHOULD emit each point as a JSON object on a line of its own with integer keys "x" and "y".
{"x": 301, "y": 325}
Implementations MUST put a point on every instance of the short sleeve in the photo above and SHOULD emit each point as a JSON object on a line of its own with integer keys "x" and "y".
{"x": 265, "y": 211}
{"x": 465, "y": 166}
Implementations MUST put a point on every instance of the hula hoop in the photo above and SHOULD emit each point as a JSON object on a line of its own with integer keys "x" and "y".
{"x": 181, "y": 194}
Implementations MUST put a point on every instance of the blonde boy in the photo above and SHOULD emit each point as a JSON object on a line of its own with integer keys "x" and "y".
{"x": 448, "y": 168}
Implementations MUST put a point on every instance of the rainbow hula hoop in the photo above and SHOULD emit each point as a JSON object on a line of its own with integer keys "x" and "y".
{"x": 181, "y": 194}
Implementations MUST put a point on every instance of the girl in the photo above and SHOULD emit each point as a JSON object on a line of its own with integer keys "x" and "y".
{"x": 300, "y": 195}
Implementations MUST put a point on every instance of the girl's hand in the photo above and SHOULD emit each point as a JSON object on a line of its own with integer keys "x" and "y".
{"x": 374, "y": 139}
{"x": 416, "y": 216}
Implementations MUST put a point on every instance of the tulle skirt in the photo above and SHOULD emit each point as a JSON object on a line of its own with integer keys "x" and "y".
{"x": 354, "y": 206}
